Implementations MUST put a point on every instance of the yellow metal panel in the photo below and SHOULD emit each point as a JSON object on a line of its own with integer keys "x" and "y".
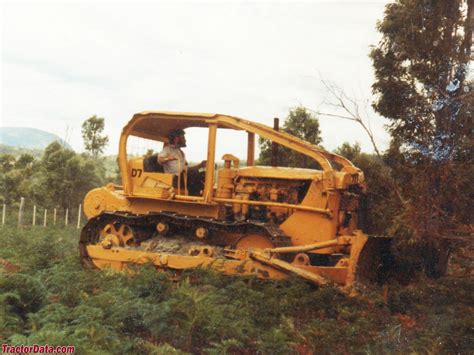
{"x": 305, "y": 227}
{"x": 280, "y": 173}
{"x": 146, "y": 205}
{"x": 148, "y": 184}
{"x": 103, "y": 199}
{"x": 358, "y": 243}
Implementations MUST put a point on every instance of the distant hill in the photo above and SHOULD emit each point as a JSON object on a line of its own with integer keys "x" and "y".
{"x": 16, "y": 152}
{"x": 29, "y": 138}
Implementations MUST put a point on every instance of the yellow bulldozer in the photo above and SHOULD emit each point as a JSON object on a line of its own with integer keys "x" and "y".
{"x": 270, "y": 222}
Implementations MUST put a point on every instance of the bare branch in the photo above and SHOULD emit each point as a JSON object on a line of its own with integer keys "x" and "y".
{"x": 331, "y": 115}
{"x": 351, "y": 107}
{"x": 342, "y": 99}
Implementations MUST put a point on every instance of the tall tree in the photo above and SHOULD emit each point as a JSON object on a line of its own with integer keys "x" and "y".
{"x": 421, "y": 86}
{"x": 16, "y": 177}
{"x": 299, "y": 123}
{"x": 66, "y": 177}
{"x": 94, "y": 141}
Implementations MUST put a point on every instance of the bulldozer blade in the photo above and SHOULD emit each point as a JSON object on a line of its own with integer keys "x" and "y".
{"x": 375, "y": 261}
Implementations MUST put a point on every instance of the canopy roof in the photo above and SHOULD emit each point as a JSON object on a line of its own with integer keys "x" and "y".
{"x": 158, "y": 124}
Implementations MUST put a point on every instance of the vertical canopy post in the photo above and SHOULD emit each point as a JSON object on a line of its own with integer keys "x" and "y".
{"x": 250, "y": 149}
{"x": 276, "y": 127}
{"x": 210, "y": 166}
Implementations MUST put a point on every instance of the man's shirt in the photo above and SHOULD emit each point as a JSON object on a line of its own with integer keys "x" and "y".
{"x": 173, "y": 166}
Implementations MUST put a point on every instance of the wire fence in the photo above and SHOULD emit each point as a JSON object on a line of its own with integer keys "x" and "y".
{"x": 25, "y": 214}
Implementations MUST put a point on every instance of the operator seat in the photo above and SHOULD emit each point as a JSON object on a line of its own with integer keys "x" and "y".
{"x": 151, "y": 165}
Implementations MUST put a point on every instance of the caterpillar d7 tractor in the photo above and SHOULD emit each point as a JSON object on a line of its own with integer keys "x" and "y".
{"x": 270, "y": 222}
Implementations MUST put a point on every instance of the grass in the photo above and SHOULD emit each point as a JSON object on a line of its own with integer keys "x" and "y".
{"x": 46, "y": 297}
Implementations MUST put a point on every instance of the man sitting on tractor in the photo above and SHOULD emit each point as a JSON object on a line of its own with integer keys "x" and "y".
{"x": 174, "y": 162}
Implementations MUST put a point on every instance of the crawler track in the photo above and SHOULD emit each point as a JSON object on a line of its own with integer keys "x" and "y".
{"x": 221, "y": 233}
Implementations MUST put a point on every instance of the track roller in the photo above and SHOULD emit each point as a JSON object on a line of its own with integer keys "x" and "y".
{"x": 201, "y": 233}
{"x": 162, "y": 228}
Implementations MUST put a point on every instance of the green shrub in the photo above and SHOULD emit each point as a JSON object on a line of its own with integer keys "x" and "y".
{"x": 52, "y": 299}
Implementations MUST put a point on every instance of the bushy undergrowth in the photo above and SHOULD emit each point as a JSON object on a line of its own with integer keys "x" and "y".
{"x": 51, "y": 299}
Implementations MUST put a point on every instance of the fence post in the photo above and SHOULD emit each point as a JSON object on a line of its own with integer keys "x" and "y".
{"x": 79, "y": 216}
{"x": 44, "y": 221}
{"x": 33, "y": 223}
{"x": 4, "y": 214}
{"x": 54, "y": 217}
{"x": 66, "y": 217}
{"x": 20, "y": 211}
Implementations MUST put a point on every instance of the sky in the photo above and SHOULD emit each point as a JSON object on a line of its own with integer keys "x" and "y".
{"x": 64, "y": 62}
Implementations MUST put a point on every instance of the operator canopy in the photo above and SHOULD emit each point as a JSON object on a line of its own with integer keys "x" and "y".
{"x": 157, "y": 125}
